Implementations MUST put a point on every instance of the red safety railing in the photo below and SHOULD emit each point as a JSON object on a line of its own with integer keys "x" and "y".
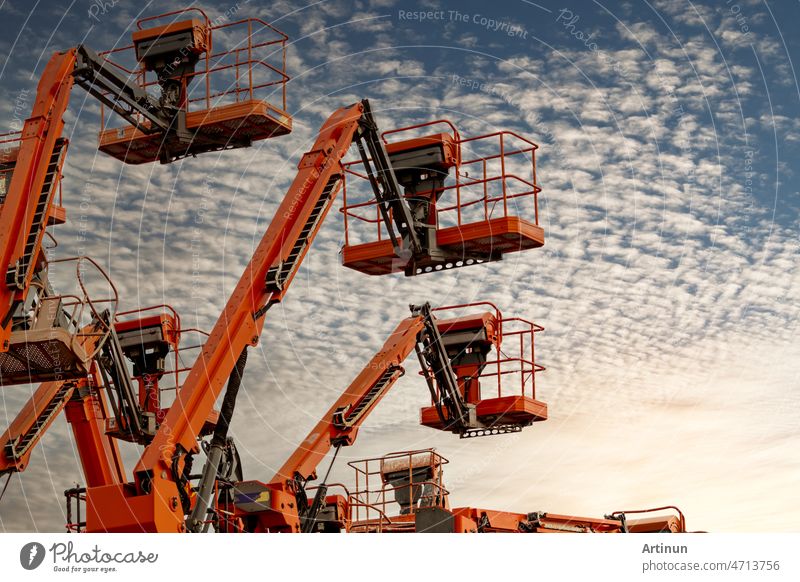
{"x": 494, "y": 177}
{"x": 514, "y": 354}
{"x": 245, "y": 61}
{"x": 81, "y": 308}
{"x": 373, "y": 502}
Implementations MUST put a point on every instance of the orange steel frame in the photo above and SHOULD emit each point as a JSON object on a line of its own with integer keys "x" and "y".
{"x": 251, "y": 105}
{"x": 521, "y": 330}
{"x": 9, "y": 152}
{"x": 86, "y": 409}
{"x": 396, "y": 349}
{"x": 494, "y": 212}
{"x": 210, "y": 65}
{"x": 369, "y": 506}
{"x": 166, "y": 318}
{"x": 504, "y": 406}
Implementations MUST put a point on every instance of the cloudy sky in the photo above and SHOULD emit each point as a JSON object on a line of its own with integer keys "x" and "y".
{"x": 669, "y": 284}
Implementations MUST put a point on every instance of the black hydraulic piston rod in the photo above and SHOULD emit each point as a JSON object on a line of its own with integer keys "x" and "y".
{"x": 216, "y": 448}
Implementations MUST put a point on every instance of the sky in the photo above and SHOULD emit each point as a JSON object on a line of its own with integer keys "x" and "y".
{"x": 668, "y": 285}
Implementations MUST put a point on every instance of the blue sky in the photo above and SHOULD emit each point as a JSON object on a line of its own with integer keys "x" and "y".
{"x": 668, "y": 285}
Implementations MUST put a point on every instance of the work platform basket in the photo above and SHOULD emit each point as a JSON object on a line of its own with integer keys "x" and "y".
{"x": 54, "y": 337}
{"x": 482, "y": 201}
{"x": 496, "y": 374}
{"x": 235, "y": 94}
{"x": 391, "y": 490}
